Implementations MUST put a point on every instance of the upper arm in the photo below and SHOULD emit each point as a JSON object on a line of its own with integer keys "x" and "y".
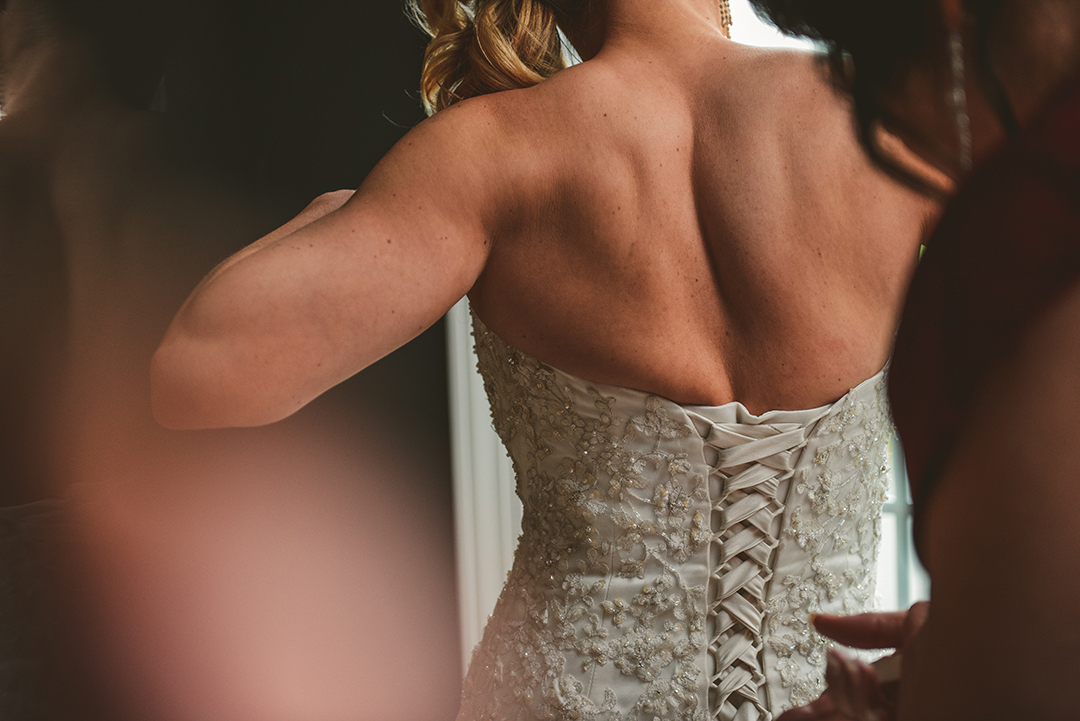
{"x": 1003, "y": 541}
{"x": 281, "y": 324}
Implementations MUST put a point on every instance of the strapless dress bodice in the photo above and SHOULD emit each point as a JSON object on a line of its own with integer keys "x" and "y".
{"x": 671, "y": 555}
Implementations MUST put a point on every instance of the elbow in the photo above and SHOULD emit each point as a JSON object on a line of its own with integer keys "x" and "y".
{"x": 176, "y": 400}
{"x": 192, "y": 388}
{"x": 186, "y": 395}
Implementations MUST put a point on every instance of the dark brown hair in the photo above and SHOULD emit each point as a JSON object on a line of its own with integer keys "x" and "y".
{"x": 871, "y": 44}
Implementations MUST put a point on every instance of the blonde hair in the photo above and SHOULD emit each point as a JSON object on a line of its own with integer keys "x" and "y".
{"x": 484, "y": 46}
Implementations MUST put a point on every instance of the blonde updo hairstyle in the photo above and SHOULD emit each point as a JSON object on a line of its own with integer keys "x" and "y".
{"x": 484, "y": 46}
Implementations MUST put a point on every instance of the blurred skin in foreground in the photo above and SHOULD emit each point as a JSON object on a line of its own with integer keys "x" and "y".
{"x": 247, "y": 575}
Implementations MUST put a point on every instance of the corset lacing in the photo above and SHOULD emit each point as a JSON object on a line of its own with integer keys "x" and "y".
{"x": 752, "y": 463}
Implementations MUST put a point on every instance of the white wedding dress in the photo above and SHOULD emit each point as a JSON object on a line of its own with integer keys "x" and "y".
{"x": 670, "y": 555}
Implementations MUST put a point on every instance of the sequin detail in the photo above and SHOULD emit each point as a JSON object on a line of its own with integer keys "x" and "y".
{"x": 644, "y": 585}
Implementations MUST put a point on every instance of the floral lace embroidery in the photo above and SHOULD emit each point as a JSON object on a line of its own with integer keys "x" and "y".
{"x": 838, "y": 513}
{"x": 605, "y": 614}
{"x": 646, "y": 495}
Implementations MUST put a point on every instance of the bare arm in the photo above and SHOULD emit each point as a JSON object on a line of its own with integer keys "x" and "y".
{"x": 1003, "y": 538}
{"x": 331, "y": 292}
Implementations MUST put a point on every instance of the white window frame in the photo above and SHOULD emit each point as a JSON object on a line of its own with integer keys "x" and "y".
{"x": 487, "y": 512}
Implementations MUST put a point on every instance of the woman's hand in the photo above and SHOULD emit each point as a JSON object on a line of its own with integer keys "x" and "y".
{"x": 874, "y": 630}
{"x": 858, "y": 691}
{"x": 854, "y": 693}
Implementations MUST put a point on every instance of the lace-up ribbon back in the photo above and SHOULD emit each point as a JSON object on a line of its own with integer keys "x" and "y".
{"x": 752, "y": 462}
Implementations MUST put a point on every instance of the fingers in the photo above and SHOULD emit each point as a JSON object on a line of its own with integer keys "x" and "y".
{"x": 854, "y": 689}
{"x": 866, "y": 630}
{"x": 854, "y": 694}
{"x": 889, "y": 669}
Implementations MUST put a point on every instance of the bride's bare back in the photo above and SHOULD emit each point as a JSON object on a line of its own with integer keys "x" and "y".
{"x": 678, "y": 214}
{"x": 709, "y": 232}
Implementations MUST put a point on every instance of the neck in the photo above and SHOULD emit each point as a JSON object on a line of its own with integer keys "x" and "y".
{"x": 645, "y": 22}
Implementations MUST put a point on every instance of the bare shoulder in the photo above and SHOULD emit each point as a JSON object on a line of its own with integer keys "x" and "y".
{"x": 770, "y": 75}
{"x": 798, "y": 85}
{"x": 461, "y": 134}
{"x": 502, "y": 143}
{"x": 761, "y": 95}
{"x": 484, "y": 127}
{"x": 460, "y": 119}
{"x": 797, "y": 90}
{"x": 458, "y": 159}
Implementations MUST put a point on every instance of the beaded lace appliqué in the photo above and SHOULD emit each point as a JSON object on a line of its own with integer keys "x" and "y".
{"x": 632, "y": 573}
{"x": 832, "y": 514}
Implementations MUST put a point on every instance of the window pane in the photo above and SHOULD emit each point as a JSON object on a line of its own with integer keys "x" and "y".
{"x": 888, "y": 586}
{"x": 748, "y": 29}
{"x": 918, "y": 579}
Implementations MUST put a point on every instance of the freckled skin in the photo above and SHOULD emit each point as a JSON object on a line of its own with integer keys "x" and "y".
{"x": 572, "y": 214}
